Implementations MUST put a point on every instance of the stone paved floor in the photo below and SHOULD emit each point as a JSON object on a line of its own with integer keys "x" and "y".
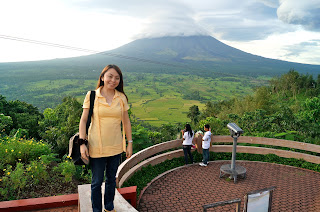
{"x": 73, "y": 208}
{"x": 190, "y": 187}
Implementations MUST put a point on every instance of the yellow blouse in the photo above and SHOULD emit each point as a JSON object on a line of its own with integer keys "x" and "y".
{"x": 105, "y": 137}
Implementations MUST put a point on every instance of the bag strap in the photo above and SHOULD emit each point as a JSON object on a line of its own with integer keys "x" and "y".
{"x": 92, "y": 97}
{"x": 123, "y": 129}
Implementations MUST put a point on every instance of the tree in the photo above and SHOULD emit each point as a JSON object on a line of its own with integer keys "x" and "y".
{"x": 217, "y": 126}
{"x": 194, "y": 114}
{"x": 209, "y": 110}
{"x": 3, "y": 104}
{"x": 5, "y": 123}
{"x": 309, "y": 117}
{"x": 140, "y": 135}
{"x": 293, "y": 83}
{"x": 318, "y": 84}
{"x": 262, "y": 98}
{"x": 24, "y": 116}
{"x": 194, "y": 95}
{"x": 60, "y": 123}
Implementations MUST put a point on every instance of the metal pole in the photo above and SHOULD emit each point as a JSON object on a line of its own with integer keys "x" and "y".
{"x": 234, "y": 150}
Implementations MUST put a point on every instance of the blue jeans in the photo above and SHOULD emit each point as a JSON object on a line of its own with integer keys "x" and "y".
{"x": 206, "y": 155}
{"x": 100, "y": 166}
{"x": 187, "y": 151}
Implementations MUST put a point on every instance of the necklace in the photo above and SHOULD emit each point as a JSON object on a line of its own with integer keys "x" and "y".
{"x": 108, "y": 96}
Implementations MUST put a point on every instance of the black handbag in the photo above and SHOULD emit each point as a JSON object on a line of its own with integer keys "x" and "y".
{"x": 74, "y": 146}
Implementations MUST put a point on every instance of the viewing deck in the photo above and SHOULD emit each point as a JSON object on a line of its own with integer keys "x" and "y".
{"x": 190, "y": 187}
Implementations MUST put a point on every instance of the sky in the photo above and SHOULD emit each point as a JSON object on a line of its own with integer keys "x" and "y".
{"x": 279, "y": 29}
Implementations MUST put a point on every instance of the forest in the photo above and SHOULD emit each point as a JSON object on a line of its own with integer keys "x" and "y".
{"x": 33, "y": 142}
{"x": 289, "y": 108}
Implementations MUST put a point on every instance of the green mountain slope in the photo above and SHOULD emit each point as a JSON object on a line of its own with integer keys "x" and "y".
{"x": 223, "y": 70}
{"x": 171, "y": 55}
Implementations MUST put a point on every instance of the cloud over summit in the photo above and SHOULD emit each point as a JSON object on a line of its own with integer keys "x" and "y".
{"x": 300, "y": 12}
{"x": 228, "y": 19}
{"x": 270, "y": 28}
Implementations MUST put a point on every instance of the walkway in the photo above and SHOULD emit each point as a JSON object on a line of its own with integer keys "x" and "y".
{"x": 190, "y": 187}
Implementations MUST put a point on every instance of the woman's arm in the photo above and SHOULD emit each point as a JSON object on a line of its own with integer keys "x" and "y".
{"x": 83, "y": 134}
{"x": 128, "y": 130}
{"x": 183, "y": 137}
{"x": 83, "y": 123}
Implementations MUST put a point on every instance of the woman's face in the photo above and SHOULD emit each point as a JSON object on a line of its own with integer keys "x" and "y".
{"x": 111, "y": 79}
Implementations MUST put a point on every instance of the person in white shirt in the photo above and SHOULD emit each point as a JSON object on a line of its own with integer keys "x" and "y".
{"x": 188, "y": 135}
{"x": 206, "y": 140}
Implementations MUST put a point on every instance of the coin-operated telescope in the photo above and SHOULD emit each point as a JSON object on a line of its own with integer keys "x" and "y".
{"x": 234, "y": 129}
{"x": 233, "y": 170}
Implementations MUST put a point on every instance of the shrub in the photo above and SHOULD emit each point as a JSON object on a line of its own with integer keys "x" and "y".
{"x": 13, "y": 182}
{"x": 13, "y": 150}
{"x": 27, "y": 165}
{"x": 83, "y": 174}
{"x": 66, "y": 169}
{"x": 37, "y": 171}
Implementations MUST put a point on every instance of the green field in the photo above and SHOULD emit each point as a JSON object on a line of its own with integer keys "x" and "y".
{"x": 160, "y": 99}
{"x": 154, "y": 98}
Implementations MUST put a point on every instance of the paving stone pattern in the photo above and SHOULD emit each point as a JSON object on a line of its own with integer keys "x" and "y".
{"x": 190, "y": 187}
{"x": 73, "y": 208}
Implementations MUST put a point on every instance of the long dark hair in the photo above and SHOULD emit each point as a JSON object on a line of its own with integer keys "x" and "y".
{"x": 188, "y": 129}
{"x": 118, "y": 70}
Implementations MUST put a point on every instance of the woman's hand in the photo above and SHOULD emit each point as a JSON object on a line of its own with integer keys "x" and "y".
{"x": 129, "y": 150}
{"x": 84, "y": 152}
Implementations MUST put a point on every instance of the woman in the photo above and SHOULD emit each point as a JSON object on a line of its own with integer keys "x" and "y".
{"x": 104, "y": 136}
{"x": 188, "y": 135}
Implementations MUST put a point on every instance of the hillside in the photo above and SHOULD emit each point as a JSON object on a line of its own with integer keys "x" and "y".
{"x": 162, "y": 74}
{"x": 205, "y": 53}
{"x": 200, "y": 54}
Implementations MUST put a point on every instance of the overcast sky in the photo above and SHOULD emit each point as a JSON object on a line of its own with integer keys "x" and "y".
{"x": 280, "y": 29}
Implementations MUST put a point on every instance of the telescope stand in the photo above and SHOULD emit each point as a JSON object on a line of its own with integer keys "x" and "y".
{"x": 233, "y": 170}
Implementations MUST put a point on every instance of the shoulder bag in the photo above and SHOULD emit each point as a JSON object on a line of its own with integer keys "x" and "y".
{"x": 74, "y": 146}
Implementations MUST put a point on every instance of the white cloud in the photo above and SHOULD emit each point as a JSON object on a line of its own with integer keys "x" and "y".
{"x": 174, "y": 24}
{"x": 289, "y": 46}
{"x": 54, "y": 23}
{"x": 270, "y": 3}
{"x": 106, "y": 24}
{"x": 305, "y": 13}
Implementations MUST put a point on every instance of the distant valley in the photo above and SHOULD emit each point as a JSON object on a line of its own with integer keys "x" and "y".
{"x": 163, "y": 76}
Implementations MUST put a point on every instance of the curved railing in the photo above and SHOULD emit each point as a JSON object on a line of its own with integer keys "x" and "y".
{"x": 271, "y": 142}
{"x": 141, "y": 159}
{"x": 146, "y": 157}
{"x": 153, "y": 155}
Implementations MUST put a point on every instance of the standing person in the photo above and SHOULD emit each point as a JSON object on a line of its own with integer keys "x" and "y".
{"x": 188, "y": 135}
{"x": 206, "y": 140}
{"x": 104, "y": 135}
